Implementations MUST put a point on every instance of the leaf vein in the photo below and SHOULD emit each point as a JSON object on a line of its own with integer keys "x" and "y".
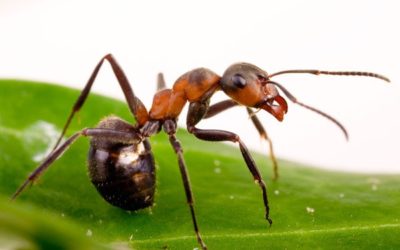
{"x": 275, "y": 234}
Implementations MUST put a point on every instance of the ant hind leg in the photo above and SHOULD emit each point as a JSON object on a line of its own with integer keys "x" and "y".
{"x": 136, "y": 106}
{"x": 115, "y": 135}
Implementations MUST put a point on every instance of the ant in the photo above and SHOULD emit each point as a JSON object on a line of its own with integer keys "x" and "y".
{"x": 121, "y": 163}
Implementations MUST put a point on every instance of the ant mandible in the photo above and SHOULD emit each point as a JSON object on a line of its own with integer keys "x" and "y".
{"x": 121, "y": 163}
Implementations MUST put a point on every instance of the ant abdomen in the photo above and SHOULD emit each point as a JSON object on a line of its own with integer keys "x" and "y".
{"x": 123, "y": 173}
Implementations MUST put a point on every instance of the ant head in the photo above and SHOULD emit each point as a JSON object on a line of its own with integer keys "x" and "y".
{"x": 249, "y": 85}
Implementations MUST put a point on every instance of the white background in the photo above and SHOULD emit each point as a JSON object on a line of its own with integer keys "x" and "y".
{"x": 61, "y": 41}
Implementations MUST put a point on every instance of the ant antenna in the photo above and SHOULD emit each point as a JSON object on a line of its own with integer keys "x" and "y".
{"x": 339, "y": 73}
{"x": 294, "y": 100}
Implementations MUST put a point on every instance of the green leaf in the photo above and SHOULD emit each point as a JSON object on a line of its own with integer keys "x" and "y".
{"x": 311, "y": 208}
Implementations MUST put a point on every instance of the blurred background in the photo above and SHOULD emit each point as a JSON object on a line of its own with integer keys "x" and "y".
{"x": 61, "y": 42}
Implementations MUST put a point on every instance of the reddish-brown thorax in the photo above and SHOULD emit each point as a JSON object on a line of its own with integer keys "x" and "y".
{"x": 190, "y": 87}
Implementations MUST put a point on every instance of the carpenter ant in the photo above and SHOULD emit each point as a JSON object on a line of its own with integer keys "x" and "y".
{"x": 121, "y": 163}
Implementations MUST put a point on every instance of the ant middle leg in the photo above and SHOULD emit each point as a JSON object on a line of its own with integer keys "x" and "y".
{"x": 170, "y": 129}
{"x": 227, "y": 104}
{"x": 161, "y": 82}
{"x": 136, "y": 106}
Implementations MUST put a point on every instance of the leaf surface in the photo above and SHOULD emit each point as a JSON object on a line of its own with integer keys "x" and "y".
{"x": 311, "y": 208}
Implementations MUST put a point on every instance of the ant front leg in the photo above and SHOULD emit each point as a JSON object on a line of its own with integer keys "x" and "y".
{"x": 194, "y": 114}
{"x": 263, "y": 134}
{"x": 136, "y": 106}
{"x": 170, "y": 129}
{"x": 227, "y": 104}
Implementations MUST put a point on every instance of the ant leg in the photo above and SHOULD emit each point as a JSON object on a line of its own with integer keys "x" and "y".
{"x": 220, "y": 107}
{"x": 224, "y": 105}
{"x": 55, "y": 154}
{"x": 136, "y": 106}
{"x": 221, "y": 135}
{"x": 264, "y": 136}
{"x": 161, "y": 82}
{"x": 170, "y": 129}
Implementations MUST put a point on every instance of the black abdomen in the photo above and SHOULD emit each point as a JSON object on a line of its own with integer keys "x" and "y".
{"x": 123, "y": 174}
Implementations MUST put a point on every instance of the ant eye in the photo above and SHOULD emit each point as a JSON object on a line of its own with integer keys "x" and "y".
{"x": 238, "y": 81}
